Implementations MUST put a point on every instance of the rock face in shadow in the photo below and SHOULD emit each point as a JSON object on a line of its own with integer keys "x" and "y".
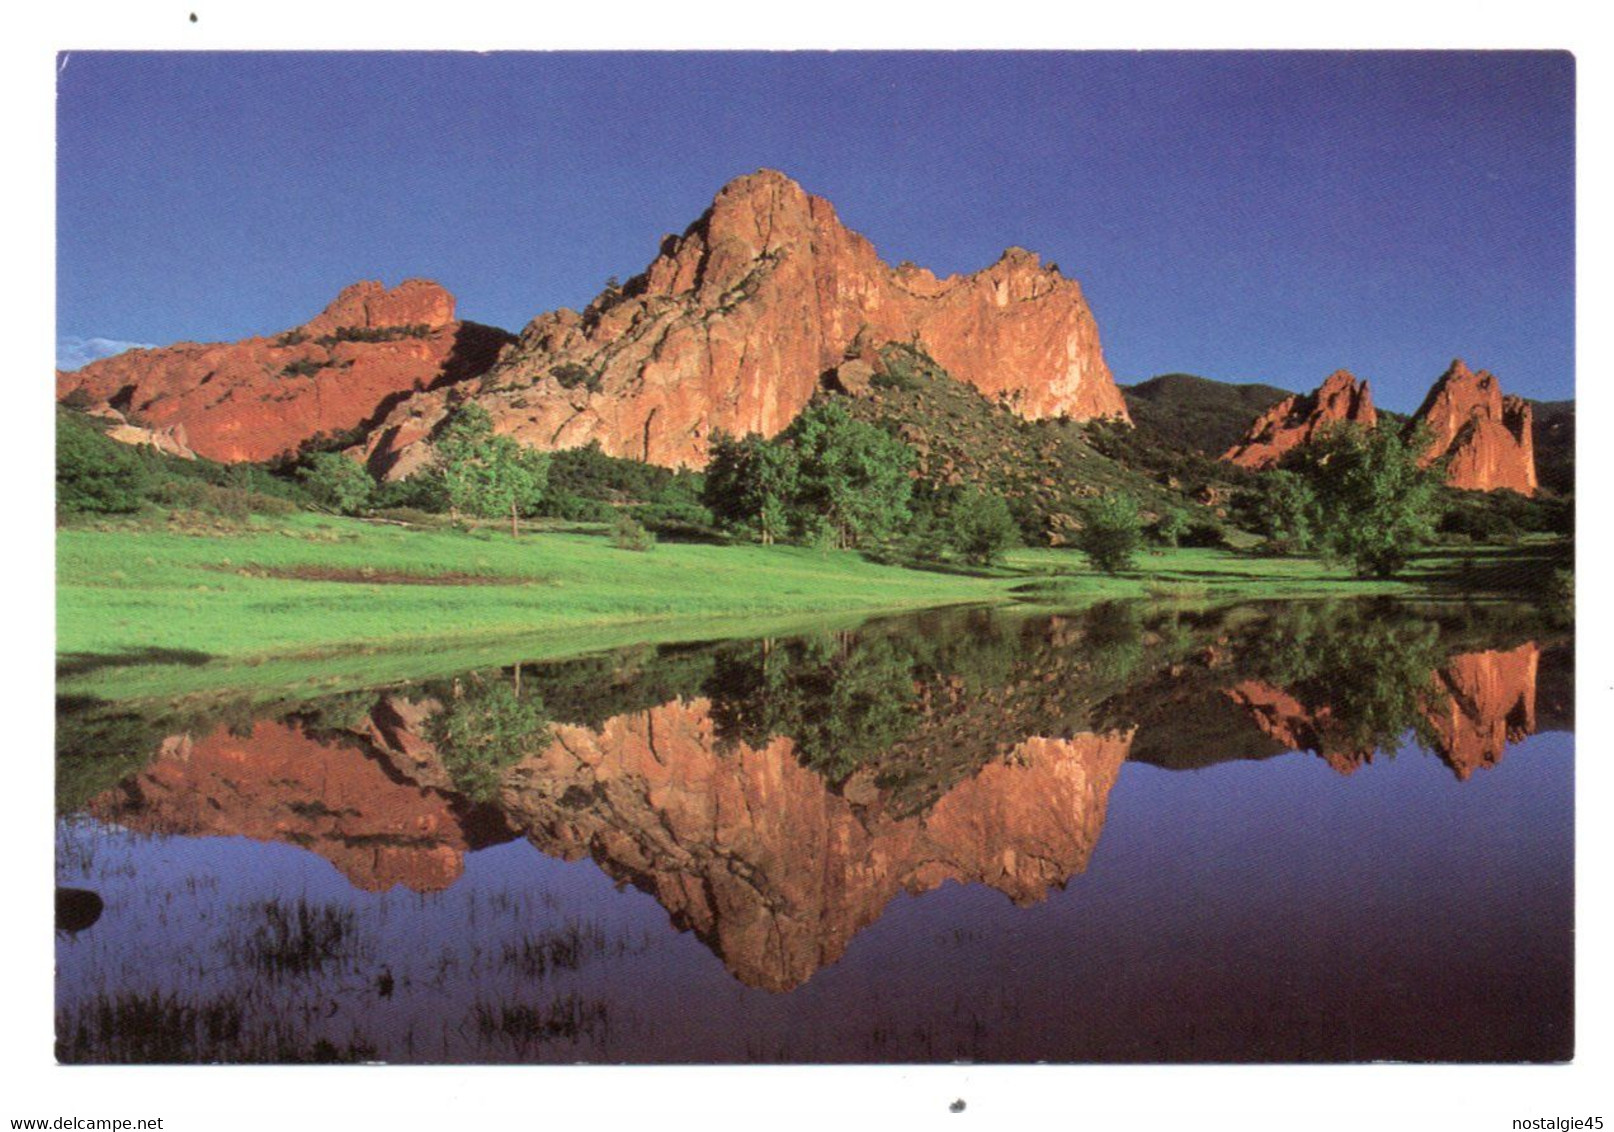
{"x": 1296, "y": 420}
{"x": 261, "y": 398}
{"x": 1486, "y": 439}
{"x": 1482, "y": 702}
{"x": 736, "y": 322}
{"x": 278, "y": 782}
{"x": 773, "y": 869}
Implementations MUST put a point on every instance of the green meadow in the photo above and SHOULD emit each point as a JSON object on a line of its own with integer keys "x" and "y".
{"x": 314, "y": 602}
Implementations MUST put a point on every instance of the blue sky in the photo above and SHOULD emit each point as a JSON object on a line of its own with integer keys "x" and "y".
{"x": 1246, "y": 216}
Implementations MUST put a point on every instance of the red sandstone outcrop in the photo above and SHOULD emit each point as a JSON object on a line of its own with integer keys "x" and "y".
{"x": 1486, "y": 701}
{"x": 263, "y": 397}
{"x": 773, "y": 869}
{"x": 279, "y": 783}
{"x": 733, "y": 325}
{"x": 1296, "y": 420}
{"x": 1486, "y": 439}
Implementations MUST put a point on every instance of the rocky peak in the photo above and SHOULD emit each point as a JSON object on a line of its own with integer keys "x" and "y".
{"x": 1296, "y": 420}
{"x": 369, "y": 305}
{"x": 1486, "y": 439}
{"x": 735, "y": 322}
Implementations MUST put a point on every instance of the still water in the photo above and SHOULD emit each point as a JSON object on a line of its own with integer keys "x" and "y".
{"x": 1277, "y": 832}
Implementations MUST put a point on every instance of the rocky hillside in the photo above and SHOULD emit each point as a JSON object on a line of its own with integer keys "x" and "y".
{"x": 734, "y": 323}
{"x": 262, "y": 398}
{"x": 1046, "y": 469}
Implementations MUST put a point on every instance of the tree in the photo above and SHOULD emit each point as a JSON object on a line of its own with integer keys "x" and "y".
{"x": 337, "y": 482}
{"x": 1287, "y": 511}
{"x": 750, "y": 484}
{"x": 1112, "y": 532}
{"x": 1374, "y": 503}
{"x": 853, "y": 480}
{"x": 487, "y": 475}
{"x": 982, "y": 527}
{"x": 1171, "y": 526}
{"x": 94, "y": 472}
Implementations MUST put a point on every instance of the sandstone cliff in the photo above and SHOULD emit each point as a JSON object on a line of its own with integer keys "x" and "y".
{"x": 735, "y": 323}
{"x": 1485, "y": 438}
{"x": 263, "y": 397}
{"x": 1295, "y": 420}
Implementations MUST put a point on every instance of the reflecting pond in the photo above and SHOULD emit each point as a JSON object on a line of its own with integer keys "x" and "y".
{"x": 1268, "y": 832}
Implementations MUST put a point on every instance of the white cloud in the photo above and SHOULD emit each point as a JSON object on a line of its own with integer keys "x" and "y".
{"x": 72, "y": 353}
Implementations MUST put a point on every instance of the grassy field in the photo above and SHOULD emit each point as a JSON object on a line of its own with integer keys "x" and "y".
{"x": 316, "y": 601}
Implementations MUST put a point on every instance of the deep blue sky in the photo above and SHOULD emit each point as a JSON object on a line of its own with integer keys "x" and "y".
{"x": 1246, "y": 216}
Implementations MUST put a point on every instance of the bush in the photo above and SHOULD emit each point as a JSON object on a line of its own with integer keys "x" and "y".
{"x": 982, "y": 527}
{"x": 627, "y": 533}
{"x": 1169, "y": 529}
{"x": 337, "y": 482}
{"x": 571, "y": 375}
{"x": 1111, "y": 534}
{"x": 95, "y": 473}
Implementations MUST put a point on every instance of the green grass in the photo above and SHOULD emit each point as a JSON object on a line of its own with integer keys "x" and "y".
{"x": 147, "y": 612}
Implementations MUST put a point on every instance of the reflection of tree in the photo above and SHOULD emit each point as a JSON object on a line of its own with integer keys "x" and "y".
{"x": 842, "y": 700}
{"x": 485, "y": 727}
{"x": 1364, "y": 672}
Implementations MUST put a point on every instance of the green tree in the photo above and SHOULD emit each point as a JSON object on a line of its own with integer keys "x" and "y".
{"x": 853, "y": 479}
{"x": 750, "y": 484}
{"x": 337, "y": 482}
{"x": 1286, "y": 511}
{"x": 1374, "y": 503}
{"x": 1171, "y": 526}
{"x": 487, "y": 475}
{"x": 982, "y": 527}
{"x": 1112, "y": 532}
{"x": 93, "y": 472}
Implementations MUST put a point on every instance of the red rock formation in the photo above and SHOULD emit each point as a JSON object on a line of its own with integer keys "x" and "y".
{"x": 262, "y": 397}
{"x": 1486, "y": 439}
{"x": 1295, "y": 420}
{"x": 279, "y": 783}
{"x": 771, "y": 867}
{"x": 734, "y": 323}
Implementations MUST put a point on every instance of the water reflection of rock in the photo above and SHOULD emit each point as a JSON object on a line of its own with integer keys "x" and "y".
{"x": 776, "y": 796}
{"x": 377, "y": 811}
{"x": 773, "y": 869}
{"x": 1477, "y": 705}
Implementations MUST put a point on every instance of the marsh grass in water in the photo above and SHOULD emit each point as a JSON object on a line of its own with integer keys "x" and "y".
{"x": 297, "y": 939}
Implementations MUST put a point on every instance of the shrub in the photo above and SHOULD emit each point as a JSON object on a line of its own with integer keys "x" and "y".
{"x": 93, "y": 472}
{"x": 337, "y": 482}
{"x": 571, "y": 375}
{"x": 627, "y": 533}
{"x": 1111, "y": 534}
{"x": 982, "y": 527}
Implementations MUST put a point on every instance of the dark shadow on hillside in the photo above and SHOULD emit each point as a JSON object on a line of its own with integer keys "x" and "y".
{"x": 83, "y": 663}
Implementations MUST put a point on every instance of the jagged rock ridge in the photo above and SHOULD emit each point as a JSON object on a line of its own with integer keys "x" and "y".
{"x": 1296, "y": 420}
{"x": 736, "y": 321}
{"x": 1485, "y": 438}
{"x": 261, "y": 398}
